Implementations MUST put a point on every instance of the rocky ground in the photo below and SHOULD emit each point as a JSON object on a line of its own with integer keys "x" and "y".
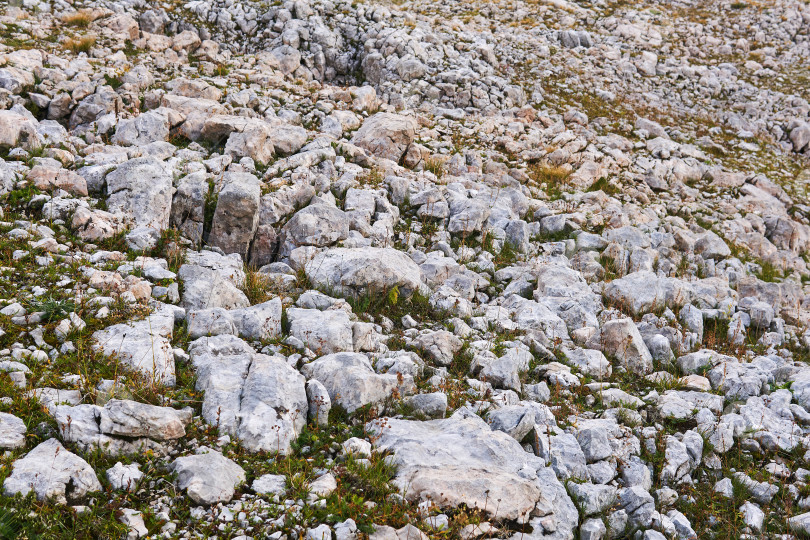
{"x": 403, "y": 270}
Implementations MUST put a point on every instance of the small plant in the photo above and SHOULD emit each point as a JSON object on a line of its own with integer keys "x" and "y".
{"x": 435, "y": 165}
{"x": 768, "y": 272}
{"x": 256, "y": 286}
{"x": 113, "y": 82}
{"x": 52, "y": 308}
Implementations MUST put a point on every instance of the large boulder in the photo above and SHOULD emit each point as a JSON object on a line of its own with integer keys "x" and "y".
{"x": 358, "y": 271}
{"x": 259, "y": 399}
{"x": 317, "y": 225}
{"x": 237, "y": 213}
{"x": 52, "y": 472}
{"x": 351, "y": 381}
{"x": 386, "y": 135}
{"x": 17, "y": 131}
{"x": 211, "y": 280}
{"x": 620, "y": 339}
{"x": 140, "y": 191}
{"x": 460, "y": 461}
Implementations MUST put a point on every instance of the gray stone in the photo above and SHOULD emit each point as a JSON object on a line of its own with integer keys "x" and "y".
{"x": 319, "y": 402}
{"x": 386, "y": 135}
{"x": 211, "y": 280}
{"x": 124, "y": 477}
{"x": 621, "y": 339}
{"x": 358, "y": 271}
{"x": 142, "y": 345}
{"x": 459, "y": 460}
{"x": 270, "y": 484}
{"x": 237, "y": 214}
{"x": 259, "y": 399}
{"x": 12, "y": 432}
{"x": 52, "y": 472}
{"x": 140, "y": 191}
{"x": 592, "y": 499}
{"x": 351, "y": 381}
{"x": 323, "y": 332}
{"x": 207, "y": 478}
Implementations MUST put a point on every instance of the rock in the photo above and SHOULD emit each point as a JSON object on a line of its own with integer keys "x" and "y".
{"x": 594, "y": 443}
{"x": 142, "y": 345}
{"x": 592, "y": 529}
{"x": 270, "y": 484}
{"x": 319, "y": 402}
{"x": 145, "y": 128}
{"x": 324, "y": 332}
{"x": 351, "y": 381}
{"x": 800, "y": 137}
{"x": 441, "y": 346}
{"x": 460, "y": 461}
{"x": 753, "y": 516}
{"x": 386, "y": 135}
{"x": 592, "y": 499}
{"x": 132, "y": 419}
{"x": 12, "y": 432}
{"x": 259, "y": 399}
{"x": 188, "y": 206}
{"x": 589, "y": 362}
{"x": 638, "y": 504}
{"x": 48, "y": 179}
{"x": 621, "y": 339}
{"x": 323, "y": 486}
{"x": 124, "y": 477}
{"x": 211, "y": 280}
{"x": 431, "y": 405}
{"x": 317, "y": 225}
{"x": 207, "y": 478}
{"x": 358, "y": 271}
{"x": 287, "y": 139}
{"x": 17, "y": 131}
{"x": 642, "y": 292}
{"x": 134, "y": 520}
{"x": 237, "y": 214}
{"x": 140, "y": 190}
{"x": 800, "y": 523}
{"x": 51, "y": 471}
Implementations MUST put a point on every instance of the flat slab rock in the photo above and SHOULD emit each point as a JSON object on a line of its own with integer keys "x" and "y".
{"x": 121, "y": 426}
{"x": 142, "y": 345}
{"x": 459, "y": 460}
{"x": 355, "y": 271}
{"x": 52, "y": 472}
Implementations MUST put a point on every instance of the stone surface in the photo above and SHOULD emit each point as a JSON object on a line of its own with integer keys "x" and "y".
{"x": 52, "y": 472}
{"x": 207, "y": 478}
{"x": 460, "y": 461}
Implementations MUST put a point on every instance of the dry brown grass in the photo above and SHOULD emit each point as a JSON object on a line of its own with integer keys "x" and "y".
{"x": 81, "y": 45}
{"x": 79, "y": 19}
